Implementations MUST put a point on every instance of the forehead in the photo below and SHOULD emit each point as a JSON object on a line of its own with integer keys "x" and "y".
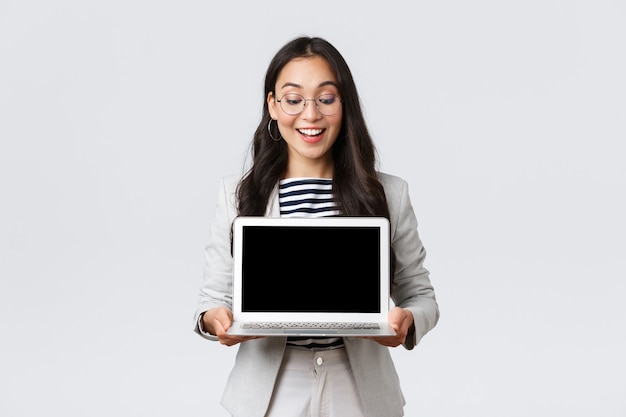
{"x": 306, "y": 72}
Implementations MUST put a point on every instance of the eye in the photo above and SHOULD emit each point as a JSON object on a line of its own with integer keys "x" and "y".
{"x": 327, "y": 99}
{"x": 292, "y": 99}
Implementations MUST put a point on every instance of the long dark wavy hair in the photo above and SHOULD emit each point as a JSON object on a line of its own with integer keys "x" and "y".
{"x": 356, "y": 188}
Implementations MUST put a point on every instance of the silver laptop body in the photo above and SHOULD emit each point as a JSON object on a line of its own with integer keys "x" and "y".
{"x": 324, "y": 276}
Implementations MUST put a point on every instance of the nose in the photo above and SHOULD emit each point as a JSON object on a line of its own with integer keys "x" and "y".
{"x": 310, "y": 111}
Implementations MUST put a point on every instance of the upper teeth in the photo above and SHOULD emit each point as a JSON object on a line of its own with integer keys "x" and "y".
{"x": 310, "y": 132}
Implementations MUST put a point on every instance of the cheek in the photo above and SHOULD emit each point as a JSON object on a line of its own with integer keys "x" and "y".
{"x": 337, "y": 122}
{"x": 285, "y": 119}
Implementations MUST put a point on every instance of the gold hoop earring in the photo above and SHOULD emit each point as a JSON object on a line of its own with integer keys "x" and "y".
{"x": 269, "y": 130}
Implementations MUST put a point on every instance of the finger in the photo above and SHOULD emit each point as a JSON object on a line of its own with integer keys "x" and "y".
{"x": 401, "y": 326}
{"x": 395, "y": 318}
{"x": 225, "y": 320}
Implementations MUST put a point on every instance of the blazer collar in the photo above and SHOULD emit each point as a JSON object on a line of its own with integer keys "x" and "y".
{"x": 273, "y": 205}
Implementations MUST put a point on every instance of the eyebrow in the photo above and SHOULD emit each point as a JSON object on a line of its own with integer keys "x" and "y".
{"x": 324, "y": 84}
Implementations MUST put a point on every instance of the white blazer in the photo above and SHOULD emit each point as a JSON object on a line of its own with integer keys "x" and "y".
{"x": 249, "y": 387}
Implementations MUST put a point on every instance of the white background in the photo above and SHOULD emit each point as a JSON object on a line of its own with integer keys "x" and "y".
{"x": 117, "y": 118}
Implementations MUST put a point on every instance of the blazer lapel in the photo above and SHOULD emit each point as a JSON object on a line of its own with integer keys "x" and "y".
{"x": 273, "y": 205}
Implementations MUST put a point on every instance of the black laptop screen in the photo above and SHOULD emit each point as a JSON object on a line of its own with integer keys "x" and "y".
{"x": 311, "y": 269}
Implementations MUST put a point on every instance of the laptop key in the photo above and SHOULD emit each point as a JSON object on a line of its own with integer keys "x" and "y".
{"x": 320, "y": 326}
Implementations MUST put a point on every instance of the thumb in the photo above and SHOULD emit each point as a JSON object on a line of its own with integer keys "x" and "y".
{"x": 224, "y": 319}
{"x": 395, "y": 317}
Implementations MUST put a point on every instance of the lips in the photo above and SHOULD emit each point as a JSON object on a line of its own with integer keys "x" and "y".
{"x": 311, "y": 135}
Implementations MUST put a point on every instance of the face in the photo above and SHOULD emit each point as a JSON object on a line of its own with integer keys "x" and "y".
{"x": 310, "y": 134}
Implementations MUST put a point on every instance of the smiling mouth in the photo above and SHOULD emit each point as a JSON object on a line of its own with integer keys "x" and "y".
{"x": 311, "y": 132}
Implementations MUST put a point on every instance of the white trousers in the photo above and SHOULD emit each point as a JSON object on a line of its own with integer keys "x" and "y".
{"x": 315, "y": 384}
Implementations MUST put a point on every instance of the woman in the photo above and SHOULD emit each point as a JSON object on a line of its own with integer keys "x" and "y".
{"x": 313, "y": 136}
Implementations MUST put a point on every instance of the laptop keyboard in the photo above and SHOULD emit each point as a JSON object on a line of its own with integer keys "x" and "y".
{"x": 293, "y": 325}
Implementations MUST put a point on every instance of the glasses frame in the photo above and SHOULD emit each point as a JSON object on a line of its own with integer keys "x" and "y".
{"x": 314, "y": 100}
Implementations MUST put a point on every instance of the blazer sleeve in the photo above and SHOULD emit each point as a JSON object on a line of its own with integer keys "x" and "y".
{"x": 216, "y": 286}
{"x": 411, "y": 287}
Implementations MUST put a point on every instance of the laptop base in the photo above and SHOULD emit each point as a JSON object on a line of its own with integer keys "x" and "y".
{"x": 244, "y": 329}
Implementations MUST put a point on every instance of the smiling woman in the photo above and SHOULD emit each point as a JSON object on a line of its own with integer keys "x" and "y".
{"x": 313, "y": 157}
{"x": 309, "y": 131}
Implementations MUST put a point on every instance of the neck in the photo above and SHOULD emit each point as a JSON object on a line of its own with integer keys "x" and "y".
{"x": 312, "y": 169}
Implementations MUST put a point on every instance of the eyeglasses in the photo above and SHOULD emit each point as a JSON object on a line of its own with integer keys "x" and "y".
{"x": 326, "y": 104}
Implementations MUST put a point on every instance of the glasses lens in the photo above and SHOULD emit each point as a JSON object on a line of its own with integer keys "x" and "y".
{"x": 328, "y": 104}
{"x": 292, "y": 103}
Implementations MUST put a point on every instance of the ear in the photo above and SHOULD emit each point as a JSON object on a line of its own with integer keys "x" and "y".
{"x": 271, "y": 105}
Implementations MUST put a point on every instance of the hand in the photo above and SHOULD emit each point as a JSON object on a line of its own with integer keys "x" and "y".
{"x": 217, "y": 321}
{"x": 400, "y": 321}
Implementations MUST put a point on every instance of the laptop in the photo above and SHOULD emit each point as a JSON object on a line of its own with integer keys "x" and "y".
{"x": 325, "y": 276}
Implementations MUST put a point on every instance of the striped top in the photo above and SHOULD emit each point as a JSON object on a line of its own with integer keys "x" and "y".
{"x": 308, "y": 197}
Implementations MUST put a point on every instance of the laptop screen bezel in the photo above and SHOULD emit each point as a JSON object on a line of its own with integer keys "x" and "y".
{"x": 384, "y": 302}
